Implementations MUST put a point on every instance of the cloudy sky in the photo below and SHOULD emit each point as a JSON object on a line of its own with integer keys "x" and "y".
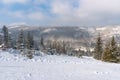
{"x": 60, "y": 12}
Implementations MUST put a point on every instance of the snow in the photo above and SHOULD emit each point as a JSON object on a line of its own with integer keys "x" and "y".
{"x": 15, "y": 25}
{"x": 13, "y": 66}
{"x": 108, "y": 31}
{"x": 82, "y": 48}
{"x": 49, "y": 30}
{"x": 103, "y": 28}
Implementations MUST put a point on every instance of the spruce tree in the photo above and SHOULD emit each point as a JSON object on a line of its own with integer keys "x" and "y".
{"x": 20, "y": 41}
{"x": 6, "y": 35}
{"x": 42, "y": 42}
{"x": 113, "y": 49}
{"x": 64, "y": 47}
{"x": 113, "y": 44}
{"x": 30, "y": 45}
{"x": 9, "y": 41}
{"x": 106, "y": 56}
{"x": 30, "y": 41}
{"x": 110, "y": 52}
{"x": 98, "y": 48}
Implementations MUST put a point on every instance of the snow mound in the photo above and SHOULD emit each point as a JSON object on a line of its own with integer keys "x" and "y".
{"x": 14, "y": 55}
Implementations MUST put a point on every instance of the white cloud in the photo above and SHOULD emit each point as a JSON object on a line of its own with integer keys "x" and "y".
{"x": 39, "y": 1}
{"x": 99, "y": 11}
{"x": 13, "y": 1}
{"x": 35, "y": 16}
{"x": 17, "y": 14}
{"x": 88, "y": 12}
{"x": 100, "y": 6}
{"x": 60, "y": 8}
{"x": 70, "y": 12}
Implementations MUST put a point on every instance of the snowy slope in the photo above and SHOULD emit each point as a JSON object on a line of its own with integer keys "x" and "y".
{"x": 48, "y": 67}
{"x": 108, "y": 31}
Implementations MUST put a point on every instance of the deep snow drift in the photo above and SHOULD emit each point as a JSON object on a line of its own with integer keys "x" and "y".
{"x": 51, "y": 67}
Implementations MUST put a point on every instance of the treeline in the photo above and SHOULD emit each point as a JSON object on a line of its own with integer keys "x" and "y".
{"x": 27, "y": 45}
{"x": 59, "y": 47}
{"x": 24, "y": 43}
{"x": 108, "y": 52}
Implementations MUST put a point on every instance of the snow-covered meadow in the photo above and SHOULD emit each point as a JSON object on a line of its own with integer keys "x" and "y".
{"x": 52, "y": 67}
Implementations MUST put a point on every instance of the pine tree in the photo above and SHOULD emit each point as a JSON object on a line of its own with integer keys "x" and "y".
{"x": 59, "y": 47}
{"x": 113, "y": 44}
{"x": 30, "y": 45}
{"x": 113, "y": 48}
{"x": 9, "y": 41}
{"x": 30, "y": 41}
{"x": 64, "y": 47}
{"x": 6, "y": 35}
{"x": 42, "y": 42}
{"x": 110, "y": 52}
{"x": 98, "y": 48}
{"x": 20, "y": 41}
{"x": 106, "y": 56}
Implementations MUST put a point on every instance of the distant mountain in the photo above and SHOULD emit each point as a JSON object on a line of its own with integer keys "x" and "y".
{"x": 109, "y": 31}
{"x": 78, "y": 36}
{"x": 54, "y": 32}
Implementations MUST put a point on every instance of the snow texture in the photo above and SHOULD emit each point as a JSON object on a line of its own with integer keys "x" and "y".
{"x": 13, "y": 66}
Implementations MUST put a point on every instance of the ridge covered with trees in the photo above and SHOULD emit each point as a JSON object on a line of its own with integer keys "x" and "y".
{"x": 106, "y": 51}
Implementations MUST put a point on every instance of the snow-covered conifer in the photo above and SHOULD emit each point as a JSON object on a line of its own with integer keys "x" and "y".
{"x": 98, "y": 48}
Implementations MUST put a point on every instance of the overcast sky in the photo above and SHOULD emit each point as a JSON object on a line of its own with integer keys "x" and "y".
{"x": 60, "y": 12}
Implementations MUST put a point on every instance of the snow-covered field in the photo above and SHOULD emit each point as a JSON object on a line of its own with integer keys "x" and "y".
{"x": 48, "y": 67}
